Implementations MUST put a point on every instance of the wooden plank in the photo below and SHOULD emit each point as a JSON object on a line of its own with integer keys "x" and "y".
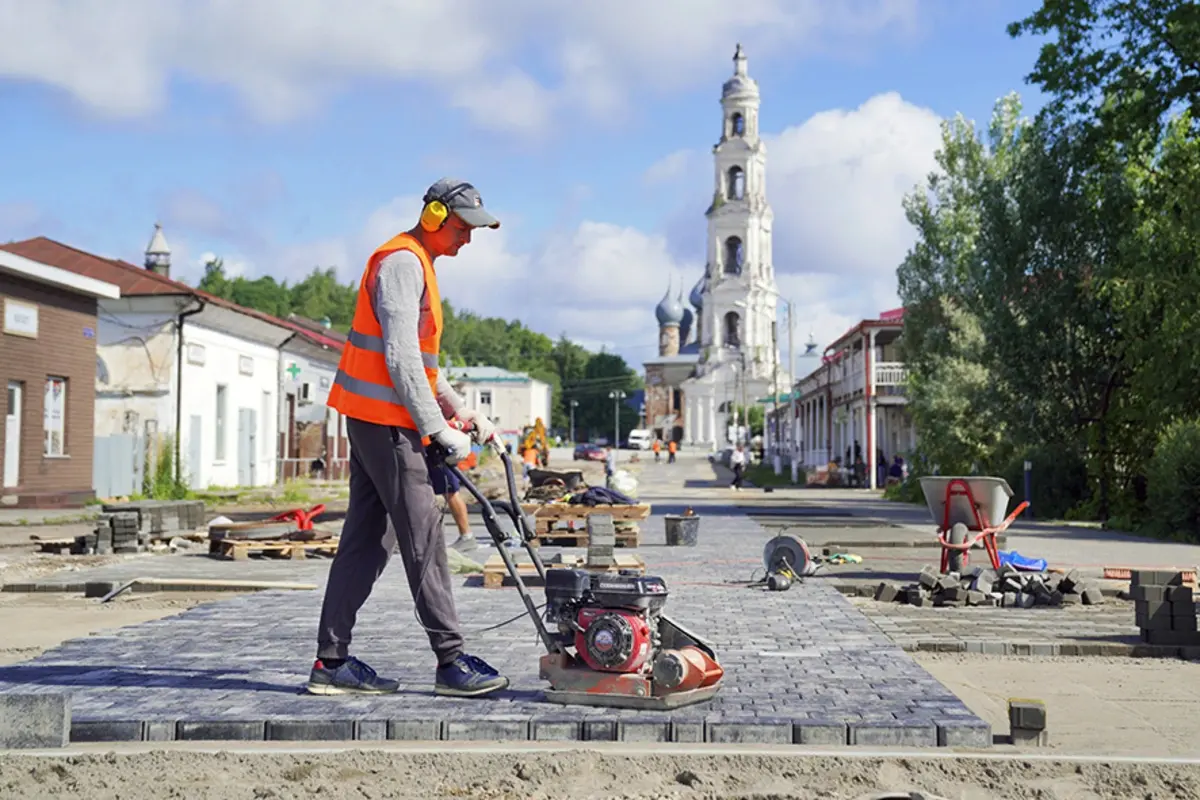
{"x": 240, "y": 549}
{"x": 495, "y": 573}
{"x": 579, "y": 538}
{"x": 567, "y": 511}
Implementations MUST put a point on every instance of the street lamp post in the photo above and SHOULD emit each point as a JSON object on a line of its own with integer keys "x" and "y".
{"x": 574, "y": 403}
{"x": 617, "y": 395}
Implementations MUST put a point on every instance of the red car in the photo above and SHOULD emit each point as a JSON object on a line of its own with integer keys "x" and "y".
{"x": 588, "y": 452}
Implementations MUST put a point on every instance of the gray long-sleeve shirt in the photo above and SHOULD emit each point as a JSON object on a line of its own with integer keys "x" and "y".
{"x": 399, "y": 285}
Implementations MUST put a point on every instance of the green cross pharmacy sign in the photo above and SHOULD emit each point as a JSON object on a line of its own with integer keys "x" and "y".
{"x": 293, "y": 370}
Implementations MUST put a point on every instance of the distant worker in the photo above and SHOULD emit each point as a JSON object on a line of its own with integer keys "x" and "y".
{"x": 397, "y": 402}
{"x": 657, "y": 448}
{"x": 447, "y": 485}
{"x": 671, "y": 448}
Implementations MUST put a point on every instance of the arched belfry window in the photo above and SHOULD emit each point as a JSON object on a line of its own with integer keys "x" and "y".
{"x": 732, "y": 337}
{"x": 737, "y": 125}
{"x": 734, "y": 255}
{"x": 735, "y": 184}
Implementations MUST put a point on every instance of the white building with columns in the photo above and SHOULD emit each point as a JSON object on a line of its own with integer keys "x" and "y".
{"x": 737, "y": 353}
{"x": 853, "y": 405}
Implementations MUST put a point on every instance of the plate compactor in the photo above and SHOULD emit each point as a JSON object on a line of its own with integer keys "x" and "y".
{"x": 608, "y": 642}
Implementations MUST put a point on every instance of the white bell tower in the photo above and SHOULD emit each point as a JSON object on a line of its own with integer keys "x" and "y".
{"x": 740, "y": 295}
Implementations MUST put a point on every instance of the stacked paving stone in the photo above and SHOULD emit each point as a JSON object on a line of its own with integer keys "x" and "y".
{"x": 1164, "y": 608}
{"x": 1027, "y": 722}
{"x": 131, "y": 527}
{"x": 1008, "y": 587}
{"x": 602, "y": 540}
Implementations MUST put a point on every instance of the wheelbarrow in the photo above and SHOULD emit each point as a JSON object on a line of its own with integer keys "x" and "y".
{"x": 962, "y": 506}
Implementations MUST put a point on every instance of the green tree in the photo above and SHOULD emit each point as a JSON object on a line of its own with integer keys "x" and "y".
{"x": 955, "y": 402}
{"x": 1124, "y": 64}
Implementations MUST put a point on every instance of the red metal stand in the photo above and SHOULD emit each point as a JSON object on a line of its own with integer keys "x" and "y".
{"x": 960, "y": 488}
{"x": 304, "y": 519}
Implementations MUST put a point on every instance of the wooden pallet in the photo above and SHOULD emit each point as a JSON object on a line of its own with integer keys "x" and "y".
{"x": 495, "y": 574}
{"x": 241, "y": 549}
{"x": 548, "y": 517}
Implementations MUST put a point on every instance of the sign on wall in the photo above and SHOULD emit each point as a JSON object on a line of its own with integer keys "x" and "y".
{"x": 20, "y": 319}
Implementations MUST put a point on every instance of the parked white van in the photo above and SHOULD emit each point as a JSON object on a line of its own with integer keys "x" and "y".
{"x": 640, "y": 439}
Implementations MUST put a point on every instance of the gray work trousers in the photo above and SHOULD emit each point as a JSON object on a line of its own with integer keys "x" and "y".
{"x": 389, "y": 478}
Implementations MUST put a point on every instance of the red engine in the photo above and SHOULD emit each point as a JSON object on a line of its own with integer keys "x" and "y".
{"x": 613, "y": 639}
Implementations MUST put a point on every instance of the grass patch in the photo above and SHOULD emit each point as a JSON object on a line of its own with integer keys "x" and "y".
{"x": 764, "y": 475}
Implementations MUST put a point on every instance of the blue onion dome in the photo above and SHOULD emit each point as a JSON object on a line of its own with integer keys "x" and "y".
{"x": 669, "y": 310}
{"x": 696, "y": 298}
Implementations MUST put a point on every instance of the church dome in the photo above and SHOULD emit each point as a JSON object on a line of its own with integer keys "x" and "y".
{"x": 739, "y": 85}
{"x": 669, "y": 310}
{"x": 696, "y": 298}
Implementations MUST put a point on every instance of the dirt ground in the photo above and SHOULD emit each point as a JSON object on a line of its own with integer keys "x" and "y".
{"x": 1102, "y": 706}
{"x": 35, "y": 622}
{"x": 573, "y": 774}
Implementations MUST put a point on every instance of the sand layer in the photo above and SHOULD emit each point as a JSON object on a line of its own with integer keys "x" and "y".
{"x": 571, "y": 774}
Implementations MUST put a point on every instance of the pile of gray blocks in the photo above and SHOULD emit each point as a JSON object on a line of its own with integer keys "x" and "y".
{"x": 1008, "y": 587}
{"x": 1027, "y": 722}
{"x": 131, "y": 527}
{"x": 1164, "y": 608}
{"x": 602, "y": 541}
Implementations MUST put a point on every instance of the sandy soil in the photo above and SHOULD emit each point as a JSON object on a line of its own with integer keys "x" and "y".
{"x": 35, "y": 622}
{"x": 1101, "y": 706}
{"x": 574, "y": 774}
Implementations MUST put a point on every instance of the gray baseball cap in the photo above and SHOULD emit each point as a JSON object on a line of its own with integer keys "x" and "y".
{"x": 463, "y": 200}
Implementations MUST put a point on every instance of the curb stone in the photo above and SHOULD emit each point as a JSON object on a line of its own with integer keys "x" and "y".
{"x": 1052, "y": 649}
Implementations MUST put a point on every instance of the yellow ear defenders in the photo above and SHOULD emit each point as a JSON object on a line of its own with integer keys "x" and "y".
{"x": 435, "y": 212}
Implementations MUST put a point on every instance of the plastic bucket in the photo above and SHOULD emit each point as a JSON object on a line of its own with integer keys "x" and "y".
{"x": 682, "y": 531}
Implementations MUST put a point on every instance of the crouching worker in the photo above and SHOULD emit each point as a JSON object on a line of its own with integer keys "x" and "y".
{"x": 397, "y": 402}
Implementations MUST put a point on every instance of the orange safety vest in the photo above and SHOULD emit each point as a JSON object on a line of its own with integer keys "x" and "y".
{"x": 363, "y": 388}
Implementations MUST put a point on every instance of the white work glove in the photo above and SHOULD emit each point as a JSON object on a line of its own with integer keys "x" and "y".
{"x": 482, "y": 428}
{"x": 456, "y": 442}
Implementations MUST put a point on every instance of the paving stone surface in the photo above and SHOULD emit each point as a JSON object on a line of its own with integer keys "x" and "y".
{"x": 801, "y": 666}
{"x": 1103, "y": 630}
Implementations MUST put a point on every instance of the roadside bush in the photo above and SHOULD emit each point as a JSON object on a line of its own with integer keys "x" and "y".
{"x": 1173, "y": 483}
{"x": 1059, "y": 481}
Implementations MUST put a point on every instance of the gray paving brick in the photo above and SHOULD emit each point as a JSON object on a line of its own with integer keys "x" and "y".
{"x": 107, "y": 731}
{"x": 221, "y": 730}
{"x": 159, "y": 731}
{"x": 644, "y": 730}
{"x": 35, "y": 719}
{"x": 559, "y": 730}
{"x": 370, "y": 730}
{"x": 682, "y": 731}
{"x": 310, "y": 730}
{"x": 894, "y": 734}
{"x": 820, "y": 732}
{"x": 408, "y": 730}
{"x": 488, "y": 730}
{"x": 600, "y": 730}
{"x": 972, "y": 733}
{"x": 766, "y": 732}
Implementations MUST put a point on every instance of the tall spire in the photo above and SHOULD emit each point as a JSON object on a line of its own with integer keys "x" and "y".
{"x": 739, "y": 61}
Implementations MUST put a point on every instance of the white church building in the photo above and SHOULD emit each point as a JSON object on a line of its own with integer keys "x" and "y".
{"x": 733, "y": 358}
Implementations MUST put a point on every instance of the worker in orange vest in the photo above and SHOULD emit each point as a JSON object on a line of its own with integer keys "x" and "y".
{"x": 671, "y": 448}
{"x": 657, "y": 447}
{"x": 397, "y": 401}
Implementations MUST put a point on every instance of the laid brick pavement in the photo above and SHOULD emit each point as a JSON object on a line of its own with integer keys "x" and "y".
{"x": 802, "y": 666}
{"x": 1104, "y": 630}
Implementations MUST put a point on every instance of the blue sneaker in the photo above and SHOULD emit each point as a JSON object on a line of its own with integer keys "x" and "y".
{"x": 352, "y": 677}
{"x": 468, "y": 676}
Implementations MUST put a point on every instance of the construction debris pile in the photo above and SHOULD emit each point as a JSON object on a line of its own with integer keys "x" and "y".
{"x": 1008, "y": 587}
{"x": 133, "y": 527}
{"x": 1164, "y": 608}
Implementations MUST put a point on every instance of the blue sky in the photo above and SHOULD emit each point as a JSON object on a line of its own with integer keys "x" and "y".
{"x": 301, "y": 135}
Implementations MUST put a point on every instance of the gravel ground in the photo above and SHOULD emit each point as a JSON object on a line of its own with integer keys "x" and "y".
{"x": 574, "y": 775}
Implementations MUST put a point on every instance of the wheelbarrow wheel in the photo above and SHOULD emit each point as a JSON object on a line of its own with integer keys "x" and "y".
{"x": 958, "y": 558}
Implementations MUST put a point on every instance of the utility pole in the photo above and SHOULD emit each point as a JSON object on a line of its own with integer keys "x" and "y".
{"x": 775, "y": 457}
{"x": 573, "y": 404}
{"x": 793, "y": 445}
{"x": 617, "y": 395}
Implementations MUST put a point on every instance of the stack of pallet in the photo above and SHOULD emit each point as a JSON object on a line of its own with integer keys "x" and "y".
{"x": 556, "y": 523}
{"x": 132, "y": 527}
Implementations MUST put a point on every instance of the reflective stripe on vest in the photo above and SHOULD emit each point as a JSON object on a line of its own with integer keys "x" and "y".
{"x": 363, "y": 387}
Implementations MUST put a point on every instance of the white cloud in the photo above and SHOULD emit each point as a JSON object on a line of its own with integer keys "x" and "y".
{"x": 835, "y": 183}
{"x": 285, "y": 57}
